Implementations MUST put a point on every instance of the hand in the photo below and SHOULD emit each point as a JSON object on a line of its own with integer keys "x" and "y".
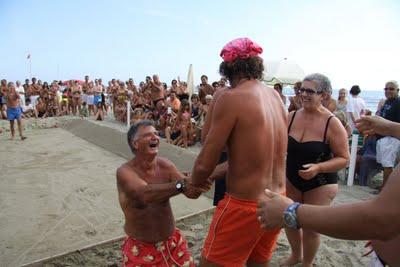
{"x": 311, "y": 170}
{"x": 194, "y": 192}
{"x": 270, "y": 209}
{"x": 373, "y": 124}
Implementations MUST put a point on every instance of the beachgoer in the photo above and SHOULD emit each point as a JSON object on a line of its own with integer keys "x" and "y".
{"x": 355, "y": 106}
{"x": 295, "y": 101}
{"x": 388, "y": 147}
{"x": 90, "y": 98}
{"x": 99, "y": 116}
{"x": 34, "y": 91}
{"x": 278, "y": 87}
{"x": 157, "y": 90}
{"x": 173, "y": 102}
{"x": 250, "y": 120}
{"x": 41, "y": 108}
{"x": 376, "y": 218}
{"x": 317, "y": 149}
{"x": 85, "y": 87}
{"x": 145, "y": 185}
{"x": 14, "y": 111}
{"x": 205, "y": 89}
{"x": 328, "y": 102}
{"x": 21, "y": 91}
{"x": 76, "y": 92}
{"x": 342, "y": 101}
{"x": 3, "y": 100}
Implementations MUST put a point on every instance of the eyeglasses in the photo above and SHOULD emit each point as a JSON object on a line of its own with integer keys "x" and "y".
{"x": 389, "y": 89}
{"x": 308, "y": 91}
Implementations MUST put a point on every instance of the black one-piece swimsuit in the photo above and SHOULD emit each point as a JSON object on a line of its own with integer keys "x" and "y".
{"x": 301, "y": 153}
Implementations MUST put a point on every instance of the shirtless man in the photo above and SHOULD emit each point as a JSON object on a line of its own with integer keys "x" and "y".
{"x": 131, "y": 86}
{"x": 85, "y": 87}
{"x": 3, "y": 100}
{"x": 90, "y": 98}
{"x": 157, "y": 90}
{"x": 145, "y": 185}
{"x": 97, "y": 90}
{"x": 205, "y": 89}
{"x": 377, "y": 218}
{"x": 34, "y": 91}
{"x": 250, "y": 120}
{"x": 295, "y": 101}
{"x": 14, "y": 111}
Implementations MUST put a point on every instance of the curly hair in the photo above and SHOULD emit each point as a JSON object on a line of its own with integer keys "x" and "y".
{"x": 248, "y": 68}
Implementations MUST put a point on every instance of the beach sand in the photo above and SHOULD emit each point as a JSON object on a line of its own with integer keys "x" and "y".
{"x": 58, "y": 194}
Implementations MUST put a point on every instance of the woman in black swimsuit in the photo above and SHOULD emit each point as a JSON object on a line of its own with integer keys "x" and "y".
{"x": 317, "y": 149}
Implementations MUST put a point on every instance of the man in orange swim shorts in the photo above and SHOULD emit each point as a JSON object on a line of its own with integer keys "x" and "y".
{"x": 250, "y": 120}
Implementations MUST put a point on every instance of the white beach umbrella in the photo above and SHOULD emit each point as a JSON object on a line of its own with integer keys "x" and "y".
{"x": 285, "y": 72}
{"x": 190, "y": 81}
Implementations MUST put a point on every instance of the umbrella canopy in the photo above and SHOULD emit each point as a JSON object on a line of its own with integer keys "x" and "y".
{"x": 285, "y": 72}
{"x": 190, "y": 81}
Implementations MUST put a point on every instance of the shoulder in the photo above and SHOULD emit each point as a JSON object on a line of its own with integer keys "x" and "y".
{"x": 124, "y": 171}
{"x": 165, "y": 163}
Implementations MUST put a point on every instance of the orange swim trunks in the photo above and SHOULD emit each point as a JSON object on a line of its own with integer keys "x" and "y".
{"x": 235, "y": 235}
{"x": 172, "y": 252}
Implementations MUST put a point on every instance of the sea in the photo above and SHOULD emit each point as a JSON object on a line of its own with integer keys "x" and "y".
{"x": 371, "y": 97}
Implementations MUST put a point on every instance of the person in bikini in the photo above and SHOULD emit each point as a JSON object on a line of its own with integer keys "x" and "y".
{"x": 250, "y": 120}
{"x": 145, "y": 185}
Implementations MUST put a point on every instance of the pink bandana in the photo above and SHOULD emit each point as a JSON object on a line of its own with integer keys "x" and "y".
{"x": 240, "y": 48}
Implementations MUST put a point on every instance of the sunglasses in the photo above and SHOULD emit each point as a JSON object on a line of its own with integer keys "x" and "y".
{"x": 389, "y": 89}
{"x": 308, "y": 91}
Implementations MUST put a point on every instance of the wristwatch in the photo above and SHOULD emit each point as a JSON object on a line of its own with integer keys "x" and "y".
{"x": 290, "y": 217}
{"x": 180, "y": 185}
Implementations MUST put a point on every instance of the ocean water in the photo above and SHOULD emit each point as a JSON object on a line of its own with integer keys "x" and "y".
{"x": 371, "y": 98}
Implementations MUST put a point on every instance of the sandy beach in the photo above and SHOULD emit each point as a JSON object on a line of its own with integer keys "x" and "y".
{"x": 58, "y": 195}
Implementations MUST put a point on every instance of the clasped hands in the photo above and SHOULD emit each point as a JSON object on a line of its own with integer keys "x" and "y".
{"x": 194, "y": 191}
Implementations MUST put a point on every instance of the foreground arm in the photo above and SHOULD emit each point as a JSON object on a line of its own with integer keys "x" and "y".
{"x": 140, "y": 191}
{"x": 373, "y": 219}
{"x": 379, "y": 125}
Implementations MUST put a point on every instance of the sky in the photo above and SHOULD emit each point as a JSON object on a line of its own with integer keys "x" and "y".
{"x": 352, "y": 42}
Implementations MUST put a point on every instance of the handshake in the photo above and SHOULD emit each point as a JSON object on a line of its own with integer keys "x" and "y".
{"x": 194, "y": 191}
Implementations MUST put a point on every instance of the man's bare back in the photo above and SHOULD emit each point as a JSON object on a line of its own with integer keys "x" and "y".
{"x": 254, "y": 123}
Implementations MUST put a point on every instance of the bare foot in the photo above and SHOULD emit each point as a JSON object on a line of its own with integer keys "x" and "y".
{"x": 23, "y": 138}
{"x": 290, "y": 261}
{"x": 11, "y": 138}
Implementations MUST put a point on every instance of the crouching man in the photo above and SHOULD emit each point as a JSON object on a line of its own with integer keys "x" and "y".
{"x": 145, "y": 185}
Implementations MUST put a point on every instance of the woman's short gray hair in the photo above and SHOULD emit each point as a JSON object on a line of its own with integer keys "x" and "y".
{"x": 394, "y": 83}
{"x": 323, "y": 83}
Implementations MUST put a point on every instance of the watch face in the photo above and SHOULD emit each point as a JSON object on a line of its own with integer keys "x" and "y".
{"x": 178, "y": 185}
{"x": 289, "y": 220}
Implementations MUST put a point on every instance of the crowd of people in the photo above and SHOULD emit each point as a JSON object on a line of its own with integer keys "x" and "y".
{"x": 179, "y": 115}
{"x": 297, "y": 154}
